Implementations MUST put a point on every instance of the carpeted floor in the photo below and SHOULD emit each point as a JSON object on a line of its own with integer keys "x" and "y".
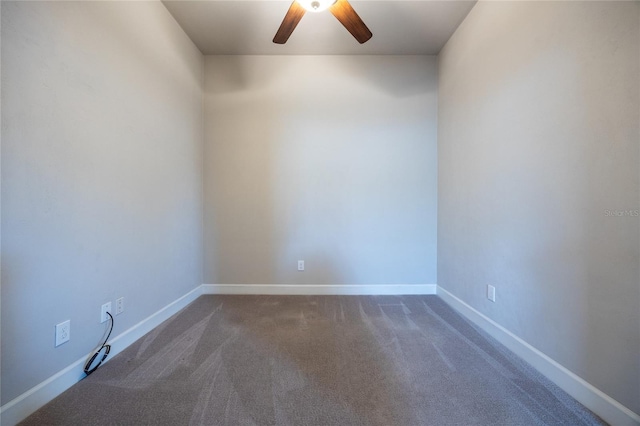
{"x": 315, "y": 360}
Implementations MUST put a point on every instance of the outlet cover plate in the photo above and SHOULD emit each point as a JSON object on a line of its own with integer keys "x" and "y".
{"x": 63, "y": 332}
{"x": 103, "y": 312}
{"x": 119, "y": 305}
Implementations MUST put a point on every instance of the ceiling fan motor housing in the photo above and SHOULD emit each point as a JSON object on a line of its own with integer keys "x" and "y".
{"x": 316, "y": 5}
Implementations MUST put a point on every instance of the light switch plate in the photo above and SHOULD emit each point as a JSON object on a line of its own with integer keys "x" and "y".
{"x": 491, "y": 293}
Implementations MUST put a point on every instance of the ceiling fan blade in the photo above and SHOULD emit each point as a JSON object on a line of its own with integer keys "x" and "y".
{"x": 348, "y": 17}
{"x": 291, "y": 19}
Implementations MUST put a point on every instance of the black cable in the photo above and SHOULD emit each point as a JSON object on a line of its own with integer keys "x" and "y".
{"x": 88, "y": 371}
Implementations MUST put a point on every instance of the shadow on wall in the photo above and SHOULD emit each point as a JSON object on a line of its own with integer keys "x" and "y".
{"x": 235, "y": 74}
{"x": 390, "y": 80}
{"x": 241, "y": 131}
{"x": 305, "y": 160}
{"x": 238, "y": 74}
{"x": 239, "y": 211}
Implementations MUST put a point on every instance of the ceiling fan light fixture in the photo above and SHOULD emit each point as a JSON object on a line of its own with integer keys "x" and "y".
{"x": 316, "y": 5}
{"x": 340, "y": 9}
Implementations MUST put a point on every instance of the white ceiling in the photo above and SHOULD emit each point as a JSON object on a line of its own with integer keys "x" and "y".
{"x": 239, "y": 27}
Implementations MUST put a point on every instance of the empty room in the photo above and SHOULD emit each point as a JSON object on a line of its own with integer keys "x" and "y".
{"x": 367, "y": 212}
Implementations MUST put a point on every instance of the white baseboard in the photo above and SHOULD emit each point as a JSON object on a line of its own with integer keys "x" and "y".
{"x": 22, "y": 406}
{"x": 588, "y": 395}
{"x": 319, "y": 289}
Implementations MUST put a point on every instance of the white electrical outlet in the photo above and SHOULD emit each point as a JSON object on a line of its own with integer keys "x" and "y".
{"x": 103, "y": 312}
{"x": 491, "y": 293}
{"x": 119, "y": 305}
{"x": 300, "y": 265}
{"x": 63, "y": 332}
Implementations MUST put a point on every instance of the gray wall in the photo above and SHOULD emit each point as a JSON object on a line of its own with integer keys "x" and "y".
{"x": 101, "y": 174}
{"x": 330, "y": 159}
{"x": 538, "y": 154}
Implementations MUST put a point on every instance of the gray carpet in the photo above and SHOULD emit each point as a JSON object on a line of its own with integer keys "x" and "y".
{"x": 315, "y": 360}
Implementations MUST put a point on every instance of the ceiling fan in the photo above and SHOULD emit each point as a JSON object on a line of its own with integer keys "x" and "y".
{"x": 341, "y": 9}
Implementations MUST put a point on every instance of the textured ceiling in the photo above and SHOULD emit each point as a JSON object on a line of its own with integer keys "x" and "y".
{"x": 237, "y": 27}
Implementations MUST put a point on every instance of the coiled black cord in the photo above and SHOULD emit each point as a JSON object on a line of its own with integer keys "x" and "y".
{"x": 107, "y": 348}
